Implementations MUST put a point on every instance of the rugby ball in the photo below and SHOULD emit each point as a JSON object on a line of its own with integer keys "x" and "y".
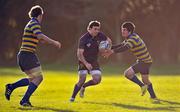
{"x": 103, "y": 45}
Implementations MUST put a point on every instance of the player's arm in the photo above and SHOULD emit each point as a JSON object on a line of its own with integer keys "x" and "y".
{"x": 125, "y": 45}
{"x": 82, "y": 59}
{"x": 116, "y": 46}
{"x": 121, "y": 48}
{"x": 48, "y": 40}
{"x": 36, "y": 28}
{"x": 81, "y": 56}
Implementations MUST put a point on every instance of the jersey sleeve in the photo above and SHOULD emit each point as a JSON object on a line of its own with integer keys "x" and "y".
{"x": 81, "y": 43}
{"x": 122, "y": 48}
{"x": 118, "y": 45}
{"x": 36, "y": 28}
{"x": 102, "y": 36}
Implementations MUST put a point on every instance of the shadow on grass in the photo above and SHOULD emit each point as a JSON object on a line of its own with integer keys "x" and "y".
{"x": 44, "y": 109}
{"x": 137, "y": 107}
{"x": 170, "y": 102}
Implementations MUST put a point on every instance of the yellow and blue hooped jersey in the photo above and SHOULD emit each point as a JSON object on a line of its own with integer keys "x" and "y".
{"x": 138, "y": 48}
{"x": 29, "y": 39}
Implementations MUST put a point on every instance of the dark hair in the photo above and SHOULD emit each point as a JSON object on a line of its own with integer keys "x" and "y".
{"x": 93, "y": 23}
{"x": 129, "y": 26}
{"x": 35, "y": 11}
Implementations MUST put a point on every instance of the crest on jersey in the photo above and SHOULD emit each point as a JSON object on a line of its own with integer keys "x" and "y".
{"x": 88, "y": 45}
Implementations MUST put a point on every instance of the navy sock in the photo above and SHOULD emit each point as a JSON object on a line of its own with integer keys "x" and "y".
{"x": 137, "y": 81}
{"x": 31, "y": 88}
{"x": 89, "y": 83}
{"x": 76, "y": 90}
{"x": 20, "y": 83}
{"x": 151, "y": 91}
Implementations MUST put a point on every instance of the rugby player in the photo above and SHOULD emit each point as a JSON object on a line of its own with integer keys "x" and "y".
{"x": 27, "y": 58}
{"x": 136, "y": 45}
{"x": 87, "y": 54}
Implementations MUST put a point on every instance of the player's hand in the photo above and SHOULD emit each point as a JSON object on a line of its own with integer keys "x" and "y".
{"x": 57, "y": 44}
{"x": 107, "y": 53}
{"x": 88, "y": 66}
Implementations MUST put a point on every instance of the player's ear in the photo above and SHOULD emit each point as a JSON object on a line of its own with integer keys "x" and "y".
{"x": 88, "y": 28}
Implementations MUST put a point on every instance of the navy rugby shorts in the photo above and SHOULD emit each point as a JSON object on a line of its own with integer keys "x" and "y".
{"x": 141, "y": 67}
{"x": 27, "y": 60}
{"x": 95, "y": 66}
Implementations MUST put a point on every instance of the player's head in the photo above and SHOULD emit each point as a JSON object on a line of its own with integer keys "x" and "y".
{"x": 94, "y": 28}
{"x": 36, "y": 12}
{"x": 127, "y": 28}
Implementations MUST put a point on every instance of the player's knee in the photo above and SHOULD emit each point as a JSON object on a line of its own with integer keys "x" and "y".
{"x": 30, "y": 79}
{"x": 40, "y": 78}
{"x": 129, "y": 73}
{"x": 80, "y": 83}
{"x": 146, "y": 81}
{"x": 97, "y": 81}
{"x": 126, "y": 74}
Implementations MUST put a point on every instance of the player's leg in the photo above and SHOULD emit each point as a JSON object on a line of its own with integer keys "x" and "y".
{"x": 30, "y": 64}
{"x": 78, "y": 85}
{"x": 11, "y": 87}
{"x": 146, "y": 81}
{"x": 96, "y": 75}
{"x": 145, "y": 78}
{"x": 36, "y": 78}
{"x": 96, "y": 79}
{"x": 20, "y": 83}
{"x": 130, "y": 74}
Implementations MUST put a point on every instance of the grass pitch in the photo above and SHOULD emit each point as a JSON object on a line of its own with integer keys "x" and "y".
{"x": 114, "y": 94}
